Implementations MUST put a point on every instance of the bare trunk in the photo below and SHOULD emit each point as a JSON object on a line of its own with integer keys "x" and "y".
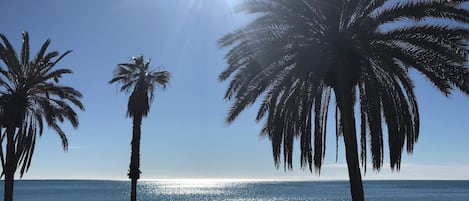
{"x": 10, "y": 166}
{"x": 133, "y": 190}
{"x": 134, "y": 169}
{"x": 345, "y": 102}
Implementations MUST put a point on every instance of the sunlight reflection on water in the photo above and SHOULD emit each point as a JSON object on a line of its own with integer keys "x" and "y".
{"x": 191, "y": 187}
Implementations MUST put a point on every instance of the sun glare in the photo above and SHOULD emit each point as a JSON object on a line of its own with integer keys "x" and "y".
{"x": 200, "y": 182}
{"x": 233, "y": 3}
{"x": 190, "y": 186}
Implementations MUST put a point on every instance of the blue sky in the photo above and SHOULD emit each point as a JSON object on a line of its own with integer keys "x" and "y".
{"x": 185, "y": 135}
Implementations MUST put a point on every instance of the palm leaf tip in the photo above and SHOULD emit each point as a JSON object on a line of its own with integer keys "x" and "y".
{"x": 163, "y": 77}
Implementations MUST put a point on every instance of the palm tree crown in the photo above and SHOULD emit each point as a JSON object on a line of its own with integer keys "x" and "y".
{"x": 31, "y": 95}
{"x": 139, "y": 78}
{"x": 296, "y": 54}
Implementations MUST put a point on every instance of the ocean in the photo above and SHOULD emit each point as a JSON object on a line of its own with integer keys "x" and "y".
{"x": 236, "y": 190}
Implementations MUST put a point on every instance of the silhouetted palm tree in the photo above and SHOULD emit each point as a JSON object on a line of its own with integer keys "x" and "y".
{"x": 30, "y": 95}
{"x": 137, "y": 77}
{"x": 296, "y": 54}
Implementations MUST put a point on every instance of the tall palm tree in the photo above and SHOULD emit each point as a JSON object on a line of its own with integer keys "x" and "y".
{"x": 30, "y": 95}
{"x": 139, "y": 79}
{"x": 297, "y": 54}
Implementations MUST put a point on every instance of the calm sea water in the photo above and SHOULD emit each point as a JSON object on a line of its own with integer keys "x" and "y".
{"x": 88, "y": 190}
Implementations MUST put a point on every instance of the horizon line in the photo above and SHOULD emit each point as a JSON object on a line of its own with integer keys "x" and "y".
{"x": 231, "y": 179}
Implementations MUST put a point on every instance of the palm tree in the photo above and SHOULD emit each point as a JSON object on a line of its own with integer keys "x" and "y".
{"x": 297, "y": 54}
{"x": 137, "y": 77}
{"x": 30, "y": 95}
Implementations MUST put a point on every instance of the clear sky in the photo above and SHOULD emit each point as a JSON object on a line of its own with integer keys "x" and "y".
{"x": 185, "y": 135}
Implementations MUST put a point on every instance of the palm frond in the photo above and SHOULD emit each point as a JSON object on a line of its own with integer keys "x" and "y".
{"x": 140, "y": 80}
{"x": 294, "y": 53}
{"x": 33, "y": 97}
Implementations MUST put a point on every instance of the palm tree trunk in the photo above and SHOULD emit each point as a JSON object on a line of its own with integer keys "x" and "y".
{"x": 133, "y": 189}
{"x": 134, "y": 169}
{"x": 10, "y": 166}
{"x": 345, "y": 102}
